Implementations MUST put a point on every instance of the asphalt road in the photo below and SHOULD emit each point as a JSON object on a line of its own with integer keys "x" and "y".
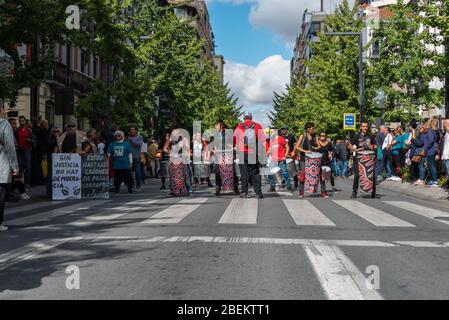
{"x": 152, "y": 246}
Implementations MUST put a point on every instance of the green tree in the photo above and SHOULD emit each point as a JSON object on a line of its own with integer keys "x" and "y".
{"x": 401, "y": 69}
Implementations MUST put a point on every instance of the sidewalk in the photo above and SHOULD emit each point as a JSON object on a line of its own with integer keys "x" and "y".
{"x": 405, "y": 188}
{"x": 419, "y": 192}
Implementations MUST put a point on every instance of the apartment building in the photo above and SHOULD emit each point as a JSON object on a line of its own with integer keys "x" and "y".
{"x": 312, "y": 23}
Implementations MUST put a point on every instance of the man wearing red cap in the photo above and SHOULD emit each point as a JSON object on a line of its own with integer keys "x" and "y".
{"x": 250, "y": 140}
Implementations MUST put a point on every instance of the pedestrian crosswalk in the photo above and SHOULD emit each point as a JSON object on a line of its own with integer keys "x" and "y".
{"x": 246, "y": 212}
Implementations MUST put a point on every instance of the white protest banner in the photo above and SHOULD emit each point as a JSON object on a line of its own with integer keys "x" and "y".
{"x": 66, "y": 182}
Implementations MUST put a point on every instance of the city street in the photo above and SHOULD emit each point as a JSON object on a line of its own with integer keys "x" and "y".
{"x": 151, "y": 246}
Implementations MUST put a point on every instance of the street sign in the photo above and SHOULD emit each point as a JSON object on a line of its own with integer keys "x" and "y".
{"x": 349, "y": 121}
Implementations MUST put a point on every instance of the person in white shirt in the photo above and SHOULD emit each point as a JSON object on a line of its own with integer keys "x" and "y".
{"x": 101, "y": 146}
{"x": 386, "y": 151}
{"x": 144, "y": 161}
{"x": 444, "y": 147}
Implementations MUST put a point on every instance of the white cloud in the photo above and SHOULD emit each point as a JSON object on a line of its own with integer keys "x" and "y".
{"x": 281, "y": 17}
{"x": 254, "y": 85}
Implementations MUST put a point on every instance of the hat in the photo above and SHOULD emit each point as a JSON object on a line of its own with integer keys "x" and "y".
{"x": 71, "y": 124}
{"x": 247, "y": 115}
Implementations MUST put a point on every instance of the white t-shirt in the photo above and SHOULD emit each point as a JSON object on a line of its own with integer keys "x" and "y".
{"x": 387, "y": 141}
{"x": 144, "y": 148}
{"x": 445, "y": 155}
{"x": 101, "y": 146}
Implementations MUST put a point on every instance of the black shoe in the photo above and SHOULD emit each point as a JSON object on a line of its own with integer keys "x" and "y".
{"x": 244, "y": 195}
{"x": 163, "y": 187}
{"x": 260, "y": 196}
{"x": 272, "y": 189}
{"x": 354, "y": 195}
{"x": 210, "y": 185}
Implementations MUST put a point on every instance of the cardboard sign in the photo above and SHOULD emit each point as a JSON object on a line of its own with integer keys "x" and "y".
{"x": 66, "y": 180}
{"x": 95, "y": 176}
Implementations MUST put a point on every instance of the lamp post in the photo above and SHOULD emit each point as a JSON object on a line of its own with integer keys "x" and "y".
{"x": 361, "y": 74}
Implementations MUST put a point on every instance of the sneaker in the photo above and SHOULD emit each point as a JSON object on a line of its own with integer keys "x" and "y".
{"x": 325, "y": 195}
{"x": 301, "y": 194}
{"x": 419, "y": 183}
{"x": 353, "y": 195}
{"x": 272, "y": 189}
{"x": 3, "y": 228}
{"x": 138, "y": 189}
{"x": 434, "y": 184}
{"x": 25, "y": 196}
{"x": 396, "y": 179}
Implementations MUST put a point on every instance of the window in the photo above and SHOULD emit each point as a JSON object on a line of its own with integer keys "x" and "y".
{"x": 316, "y": 28}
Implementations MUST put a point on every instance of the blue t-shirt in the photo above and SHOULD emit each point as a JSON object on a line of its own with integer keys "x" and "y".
{"x": 120, "y": 152}
{"x": 400, "y": 145}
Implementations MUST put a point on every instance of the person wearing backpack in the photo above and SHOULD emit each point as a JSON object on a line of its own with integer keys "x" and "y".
{"x": 250, "y": 140}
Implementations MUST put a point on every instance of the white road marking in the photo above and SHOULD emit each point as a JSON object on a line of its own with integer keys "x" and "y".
{"x": 421, "y": 210}
{"x": 48, "y": 215}
{"x": 373, "y": 215}
{"x": 338, "y": 276}
{"x": 240, "y": 211}
{"x": 32, "y": 250}
{"x": 276, "y": 241}
{"x": 31, "y": 206}
{"x": 285, "y": 193}
{"x": 177, "y": 212}
{"x": 304, "y": 213}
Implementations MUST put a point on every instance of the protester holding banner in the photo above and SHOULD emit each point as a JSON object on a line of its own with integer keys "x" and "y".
{"x": 9, "y": 165}
{"x": 122, "y": 161}
{"x": 364, "y": 146}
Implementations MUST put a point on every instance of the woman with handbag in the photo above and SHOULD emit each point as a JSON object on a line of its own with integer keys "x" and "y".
{"x": 417, "y": 154}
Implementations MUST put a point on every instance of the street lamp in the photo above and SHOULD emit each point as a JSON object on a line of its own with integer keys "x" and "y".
{"x": 361, "y": 74}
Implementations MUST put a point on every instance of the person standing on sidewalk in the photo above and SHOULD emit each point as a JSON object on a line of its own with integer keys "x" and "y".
{"x": 444, "y": 148}
{"x": 362, "y": 141}
{"x": 24, "y": 136}
{"x": 52, "y": 148}
{"x": 248, "y": 136}
{"x": 136, "y": 141}
{"x": 431, "y": 145}
{"x": 9, "y": 166}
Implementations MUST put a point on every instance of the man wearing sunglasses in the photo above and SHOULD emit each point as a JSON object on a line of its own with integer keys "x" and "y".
{"x": 71, "y": 140}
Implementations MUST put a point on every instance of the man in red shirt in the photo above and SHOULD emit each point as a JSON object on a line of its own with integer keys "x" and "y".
{"x": 249, "y": 140}
{"x": 278, "y": 151}
{"x": 24, "y": 136}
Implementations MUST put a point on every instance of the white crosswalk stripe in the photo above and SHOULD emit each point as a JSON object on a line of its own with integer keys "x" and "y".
{"x": 48, "y": 215}
{"x": 284, "y": 193}
{"x": 338, "y": 276}
{"x": 241, "y": 211}
{"x": 177, "y": 212}
{"x": 304, "y": 213}
{"x": 421, "y": 210}
{"x": 373, "y": 215}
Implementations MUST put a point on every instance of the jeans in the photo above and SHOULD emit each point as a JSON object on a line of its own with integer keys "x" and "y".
{"x": 24, "y": 158}
{"x": 446, "y": 166}
{"x": 336, "y": 167}
{"x": 284, "y": 172}
{"x": 123, "y": 175}
{"x": 189, "y": 174}
{"x": 343, "y": 168}
{"x": 432, "y": 168}
{"x": 422, "y": 170}
{"x": 138, "y": 172}
{"x": 387, "y": 162}
{"x": 2, "y": 201}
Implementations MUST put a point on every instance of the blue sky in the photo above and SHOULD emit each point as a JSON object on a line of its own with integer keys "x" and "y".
{"x": 256, "y": 38}
{"x": 237, "y": 40}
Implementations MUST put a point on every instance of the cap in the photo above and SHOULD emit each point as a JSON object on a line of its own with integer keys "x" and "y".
{"x": 71, "y": 124}
{"x": 247, "y": 115}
